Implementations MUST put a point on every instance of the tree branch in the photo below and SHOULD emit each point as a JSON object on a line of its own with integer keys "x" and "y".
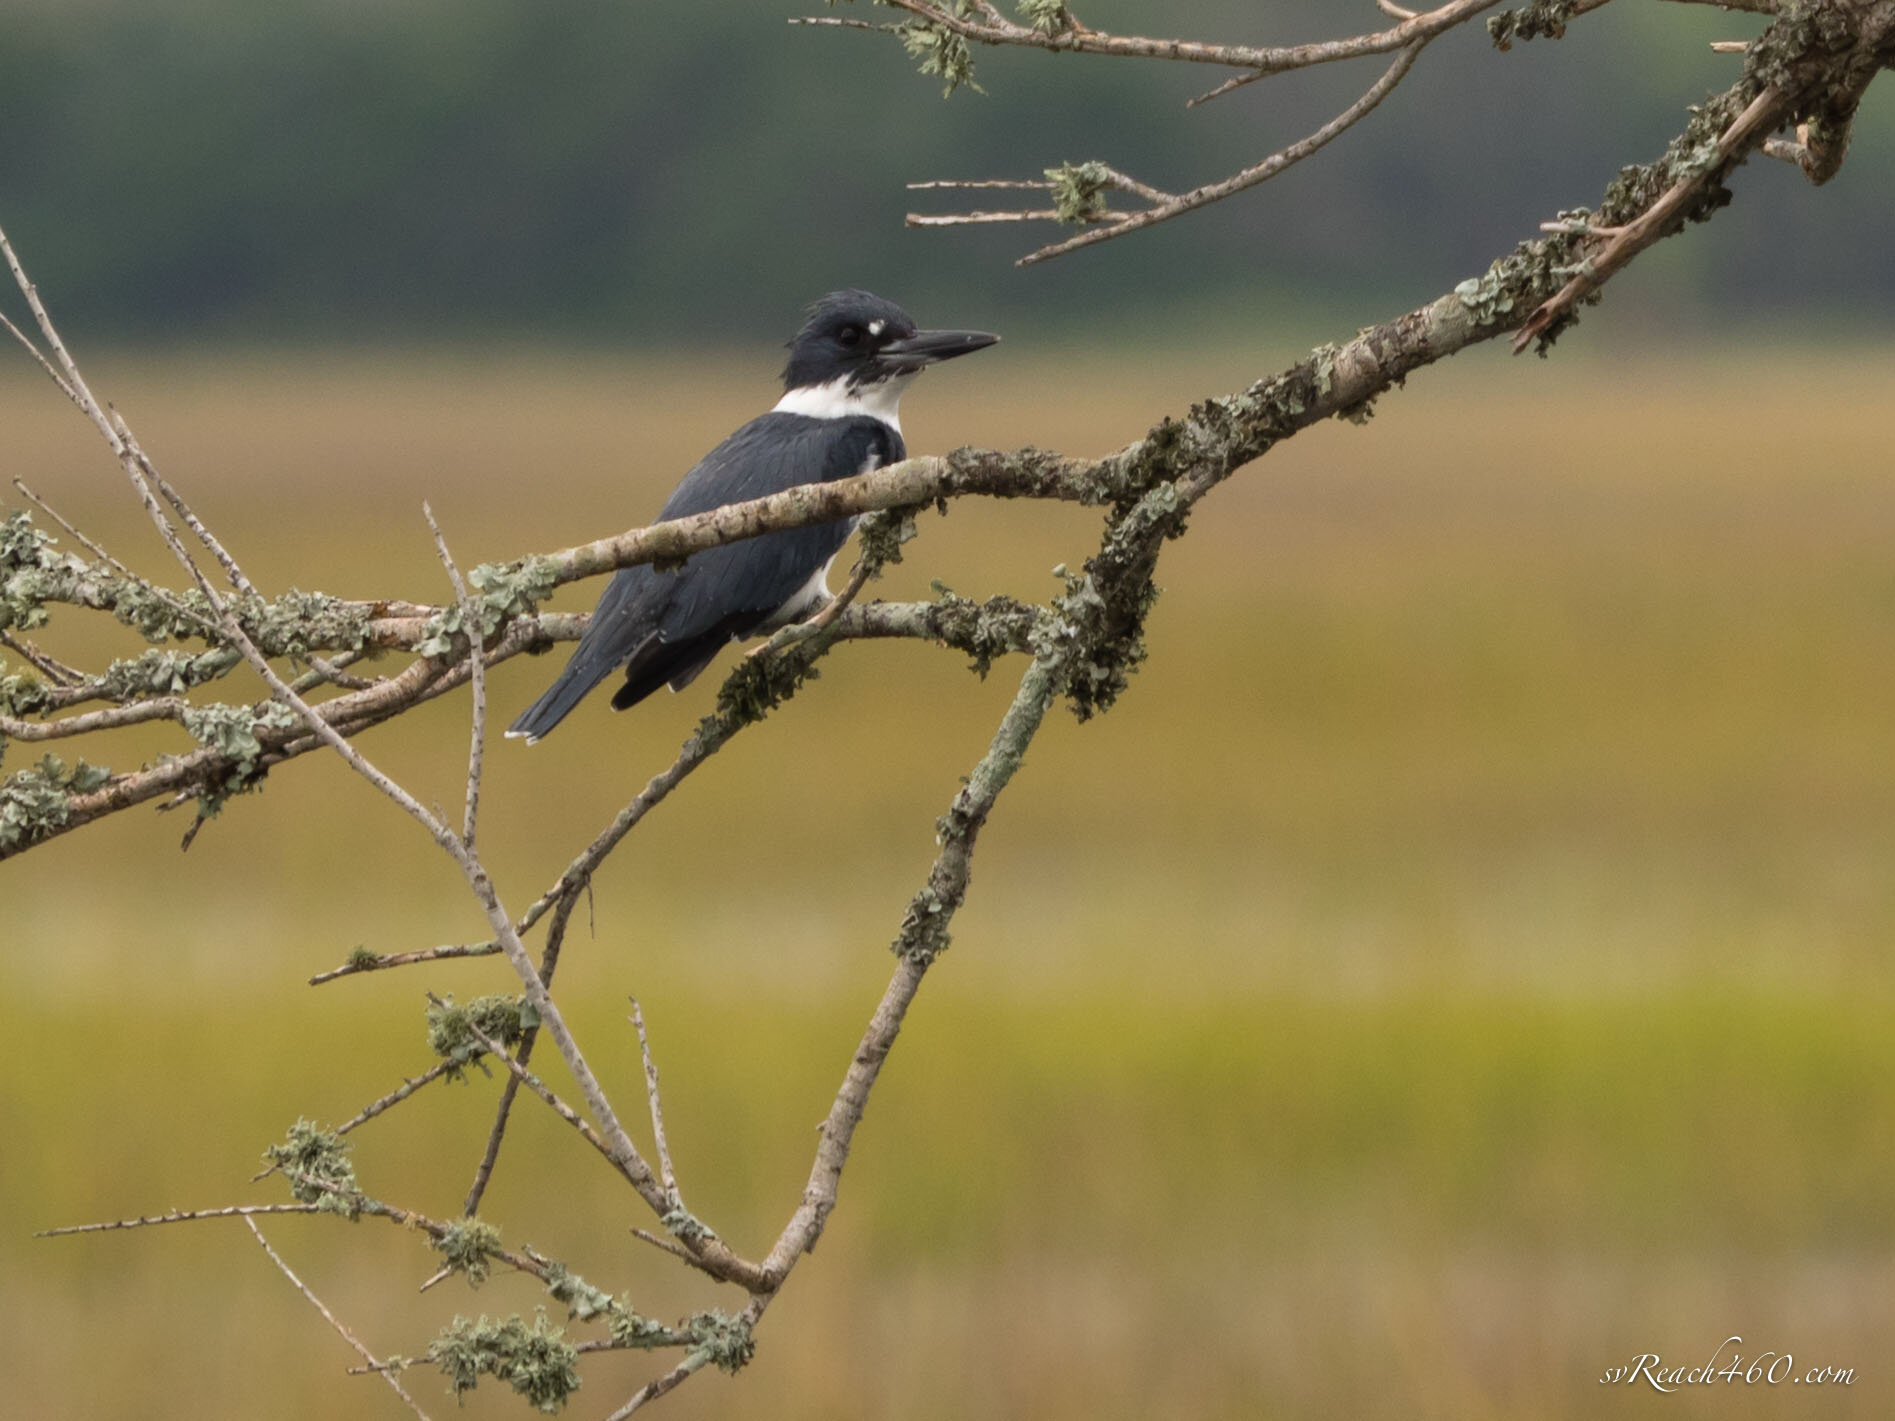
{"x": 386, "y": 1373}
{"x": 1269, "y": 59}
{"x": 1276, "y": 163}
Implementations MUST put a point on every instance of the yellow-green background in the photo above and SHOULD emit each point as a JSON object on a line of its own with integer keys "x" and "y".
{"x": 1460, "y": 965}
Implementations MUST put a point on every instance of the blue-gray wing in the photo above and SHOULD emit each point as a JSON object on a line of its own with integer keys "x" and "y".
{"x": 667, "y": 626}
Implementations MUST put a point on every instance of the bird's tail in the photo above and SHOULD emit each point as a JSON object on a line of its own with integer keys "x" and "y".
{"x": 582, "y": 673}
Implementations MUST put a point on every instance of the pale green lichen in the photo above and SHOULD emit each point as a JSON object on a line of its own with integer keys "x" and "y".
{"x": 236, "y": 734}
{"x": 1049, "y": 17}
{"x": 536, "y": 1361}
{"x": 1079, "y": 189}
{"x": 1486, "y": 297}
{"x": 36, "y": 803}
{"x": 630, "y": 1329}
{"x": 468, "y": 1247}
{"x": 500, "y": 593}
{"x": 882, "y": 534}
{"x": 986, "y": 630}
{"x": 503, "y": 1020}
{"x": 723, "y": 1341}
{"x": 1541, "y": 19}
{"x": 940, "y": 51}
{"x": 583, "y": 1301}
{"x": 22, "y": 693}
{"x": 316, "y": 1163}
{"x": 924, "y": 934}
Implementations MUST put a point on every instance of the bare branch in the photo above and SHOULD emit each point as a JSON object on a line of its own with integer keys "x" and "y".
{"x": 976, "y": 184}
{"x": 470, "y": 622}
{"x": 657, "y": 1107}
{"x": 168, "y": 708}
{"x": 559, "y": 1107}
{"x": 386, "y": 1372}
{"x": 40, "y": 356}
{"x": 839, "y": 23}
{"x": 48, "y": 666}
{"x": 395, "y": 1097}
{"x": 503, "y": 1111}
{"x": 923, "y": 935}
{"x": 1261, "y": 172}
{"x": 53, "y": 513}
{"x": 682, "y": 1255}
{"x": 178, "y": 1216}
{"x": 658, "y": 1386}
{"x": 1754, "y": 7}
{"x": 1272, "y": 59}
{"x": 190, "y": 520}
{"x": 983, "y": 217}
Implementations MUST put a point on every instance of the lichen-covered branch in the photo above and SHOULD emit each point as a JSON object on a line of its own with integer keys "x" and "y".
{"x": 1809, "y": 69}
{"x": 1806, "y": 62}
{"x": 922, "y": 938}
{"x": 939, "y": 34}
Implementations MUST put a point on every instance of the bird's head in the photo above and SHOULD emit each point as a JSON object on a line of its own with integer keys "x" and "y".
{"x": 857, "y": 339}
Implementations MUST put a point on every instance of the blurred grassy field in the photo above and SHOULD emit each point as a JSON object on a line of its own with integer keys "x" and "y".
{"x": 1461, "y": 965}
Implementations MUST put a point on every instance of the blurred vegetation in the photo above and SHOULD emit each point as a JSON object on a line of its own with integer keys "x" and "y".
{"x": 688, "y": 171}
{"x": 1460, "y": 965}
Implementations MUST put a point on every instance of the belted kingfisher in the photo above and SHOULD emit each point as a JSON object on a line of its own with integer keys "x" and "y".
{"x": 838, "y": 417}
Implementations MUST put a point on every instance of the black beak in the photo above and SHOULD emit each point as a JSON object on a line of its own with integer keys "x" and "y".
{"x": 925, "y": 348}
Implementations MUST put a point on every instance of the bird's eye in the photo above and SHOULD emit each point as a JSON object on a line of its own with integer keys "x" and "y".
{"x": 850, "y": 335}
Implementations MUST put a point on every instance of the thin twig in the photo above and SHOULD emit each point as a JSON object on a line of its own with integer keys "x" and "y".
{"x": 683, "y": 1254}
{"x": 1276, "y": 163}
{"x": 98, "y": 552}
{"x": 667, "y": 1172}
{"x": 983, "y": 217}
{"x": 331, "y": 672}
{"x": 658, "y": 1386}
{"x": 39, "y": 355}
{"x": 177, "y": 1216}
{"x": 51, "y": 667}
{"x": 1274, "y": 59}
{"x": 395, "y": 1096}
{"x": 490, "y": 1156}
{"x": 1748, "y": 129}
{"x": 803, "y": 631}
{"x": 470, "y": 624}
{"x": 1236, "y": 82}
{"x": 979, "y": 184}
{"x": 232, "y": 572}
{"x": 559, "y": 1107}
{"x": 382, "y": 1369}
{"x": 404, "y": 959}
{"x": 839, "y": 23}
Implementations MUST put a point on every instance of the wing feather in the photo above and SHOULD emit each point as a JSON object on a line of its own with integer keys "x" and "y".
{"x": 667, "y": 626}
